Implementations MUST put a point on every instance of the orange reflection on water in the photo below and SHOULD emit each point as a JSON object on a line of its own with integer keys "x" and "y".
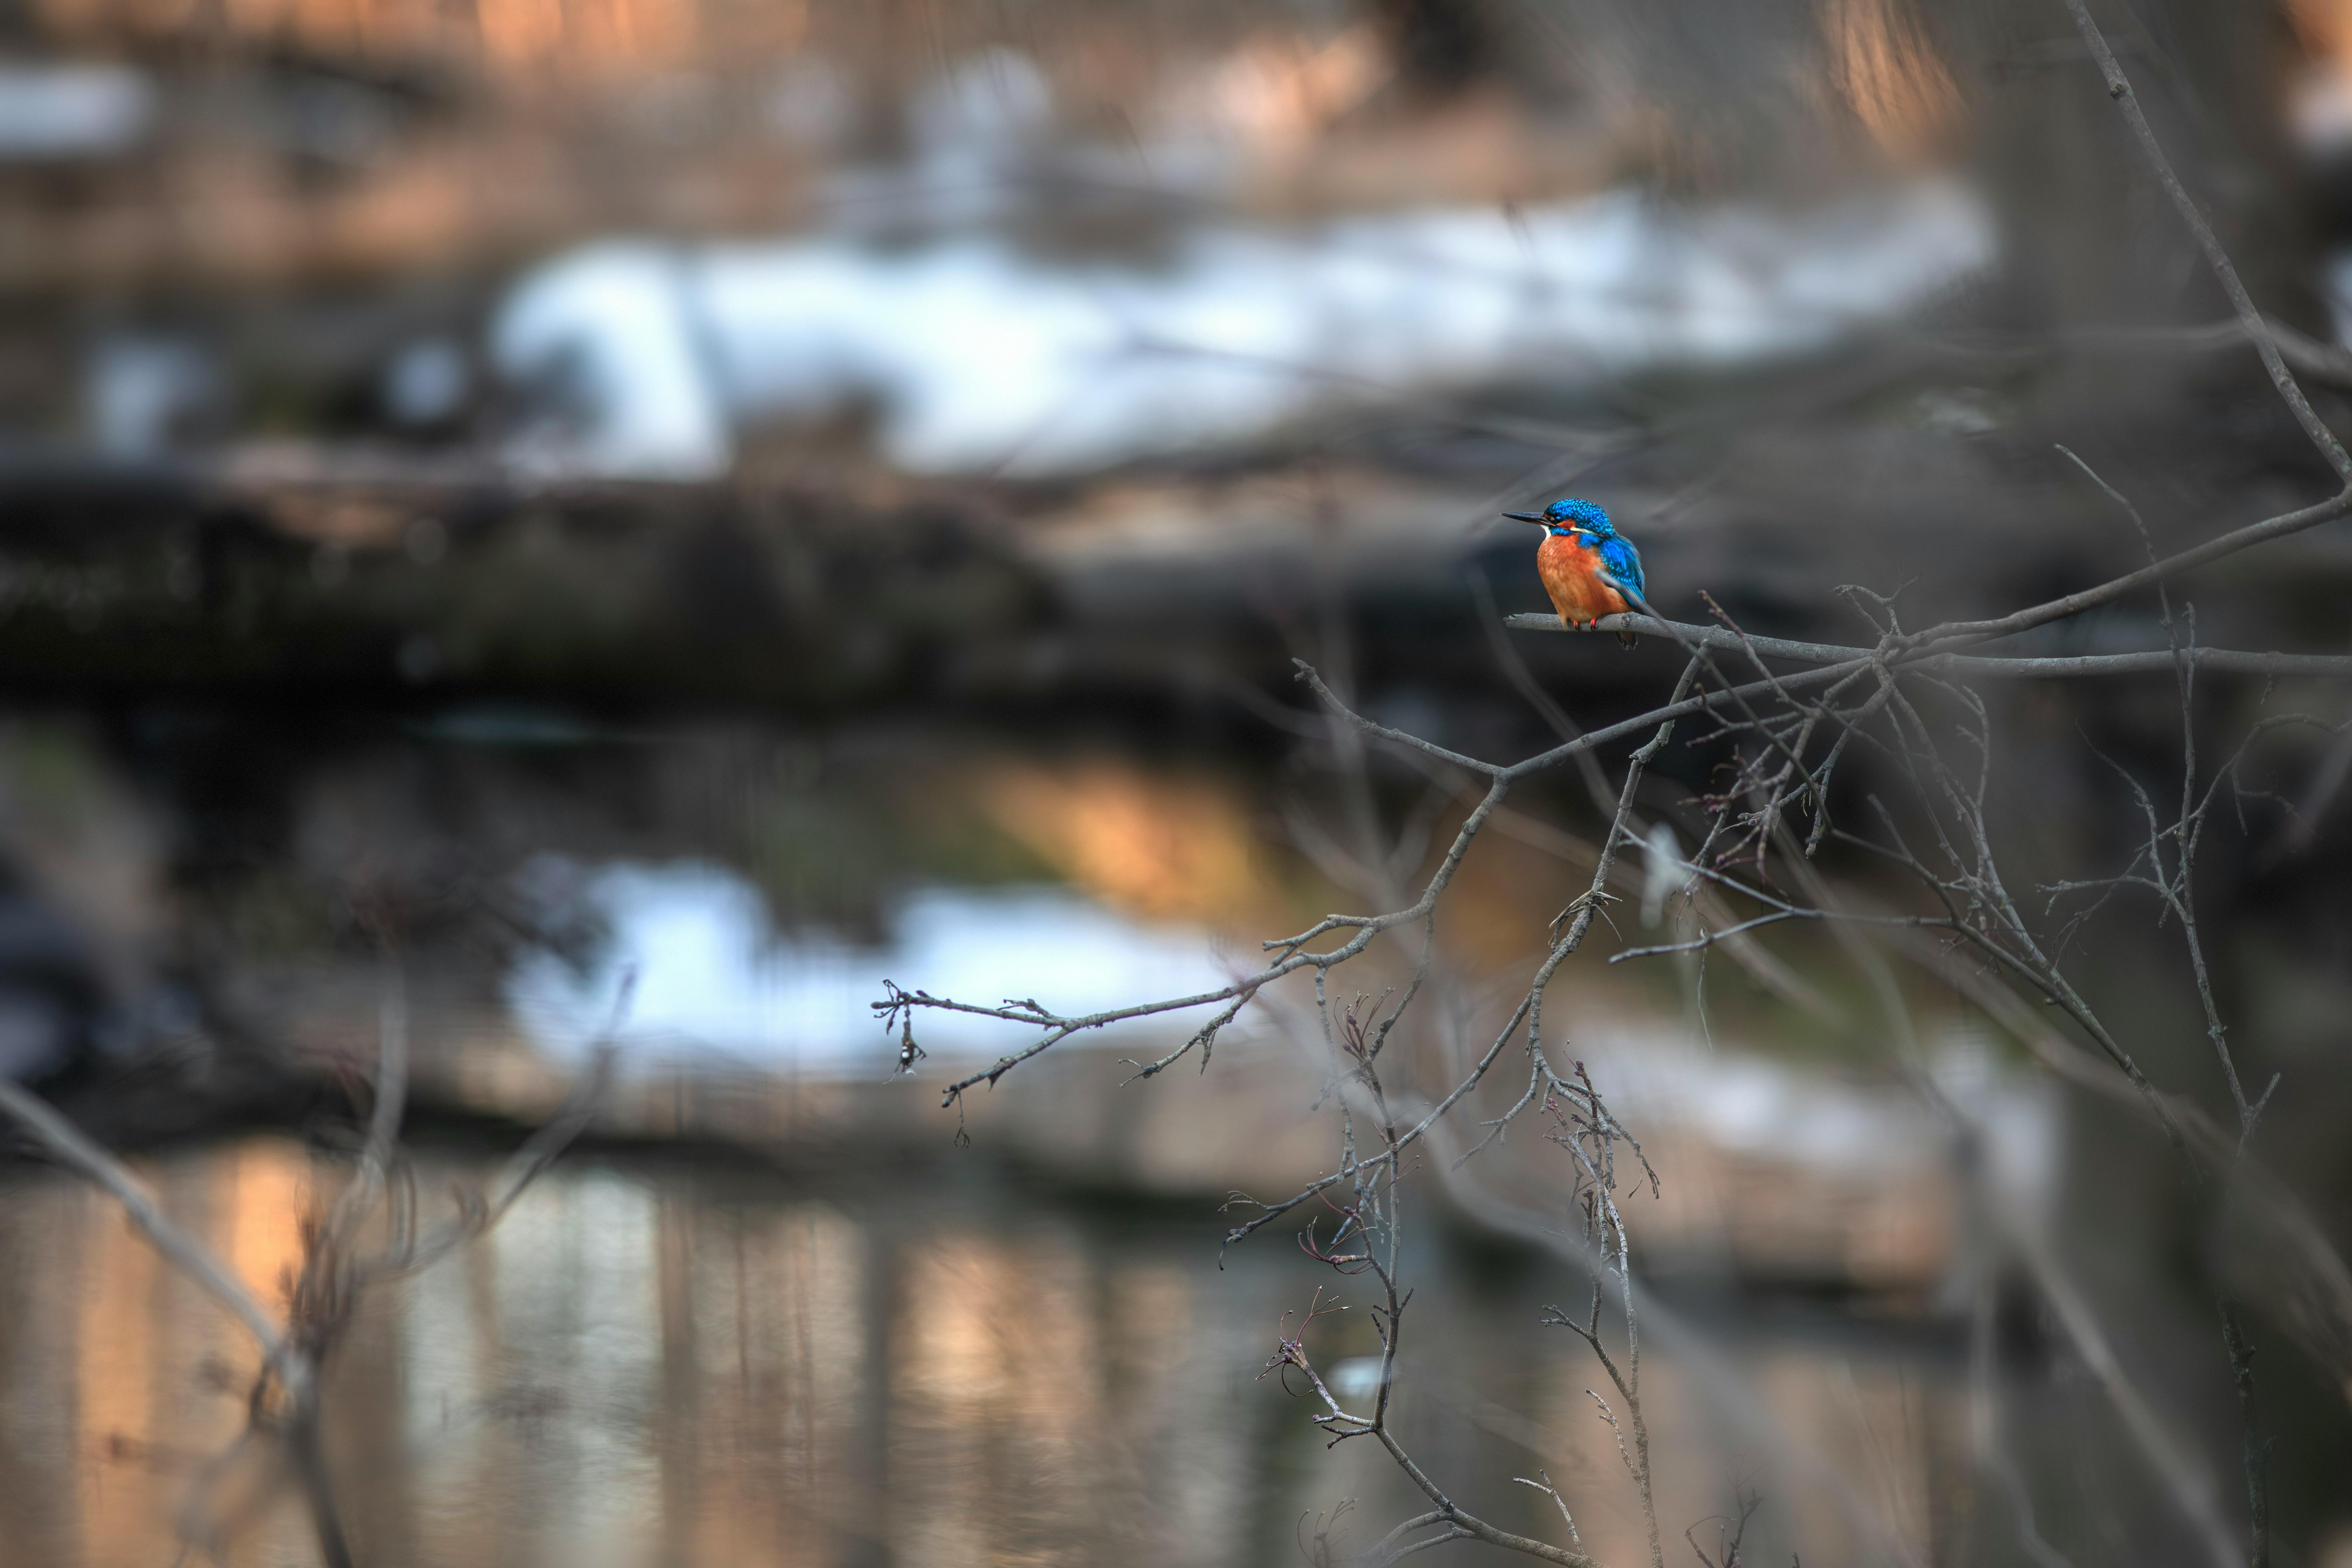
{"x": 992, "y": 1397}
{"x": 655, "y": 1365}
{"x": 116, "y": 1394}
{"x": 264, "y": 1192}
{"x": 159, "y": 1369}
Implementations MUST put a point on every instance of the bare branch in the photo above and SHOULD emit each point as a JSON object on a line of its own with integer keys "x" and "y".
{"x": 2219, "y": 661}
{"x": 2250, "y": 318}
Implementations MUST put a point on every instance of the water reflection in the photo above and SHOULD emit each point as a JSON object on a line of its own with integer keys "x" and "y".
{"x": 901, "y": 1353}
{"x": 653, "y": 1364}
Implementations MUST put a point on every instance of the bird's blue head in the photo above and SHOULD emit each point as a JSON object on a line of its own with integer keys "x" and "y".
{"x": 1570, "y": 516}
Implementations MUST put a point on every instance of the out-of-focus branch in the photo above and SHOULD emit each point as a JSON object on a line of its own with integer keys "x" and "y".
{"x": 327, "y": 1290}
{"x": 2270, "y": 529}
{"x": 2188, "y": 1483}
{"x": 2250, "y": 318}
{"x": 358, "y": 1199}
{"x": 2324, "y": 361}
{"x": 523, "y": 1167}
{"x": 1523, "y": 680}
{"x": 71, "y": 1147}
{"x": 2309, "y": 357}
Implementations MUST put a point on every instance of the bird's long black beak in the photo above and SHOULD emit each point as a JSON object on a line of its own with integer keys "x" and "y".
{"x": 1525, "y": 516}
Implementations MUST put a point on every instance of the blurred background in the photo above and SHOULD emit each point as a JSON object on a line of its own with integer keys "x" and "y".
{"x": 768, "y": 497}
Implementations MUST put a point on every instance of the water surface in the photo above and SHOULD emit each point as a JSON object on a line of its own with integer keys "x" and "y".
{"x": 658, "y": 1361}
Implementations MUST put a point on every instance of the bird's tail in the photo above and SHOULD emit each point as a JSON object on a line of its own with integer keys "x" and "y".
{"x": 1629, "y": 639}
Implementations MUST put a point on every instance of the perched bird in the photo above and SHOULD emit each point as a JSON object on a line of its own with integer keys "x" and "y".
{"x": 1588, "y": 568}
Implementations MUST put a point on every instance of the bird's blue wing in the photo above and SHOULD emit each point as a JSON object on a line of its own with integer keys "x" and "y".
{"x": 1622, "y": 562}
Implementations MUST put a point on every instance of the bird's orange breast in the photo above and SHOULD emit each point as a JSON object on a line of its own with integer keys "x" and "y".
{"x": 1572, "y": 575}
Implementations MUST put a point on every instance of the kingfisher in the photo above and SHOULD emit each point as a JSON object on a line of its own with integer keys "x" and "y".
{"x": 1588, "y": 568}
